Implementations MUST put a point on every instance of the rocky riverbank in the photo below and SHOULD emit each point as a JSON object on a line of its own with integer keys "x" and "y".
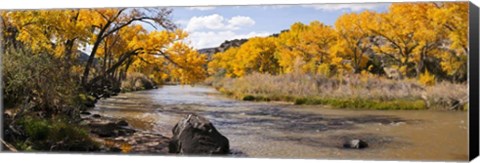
{"x": 190, "y": 136}
{"x": 116, "y": 135}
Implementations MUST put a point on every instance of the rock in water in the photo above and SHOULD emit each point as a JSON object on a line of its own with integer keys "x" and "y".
{"x": 122, "y": 123}
{"x": 196, "y": 135}
{"x": 110, "y": 130}
{"x": 355, "y": 144}
{"x": 96, "y": 116}
{"x": 85, "y": 113}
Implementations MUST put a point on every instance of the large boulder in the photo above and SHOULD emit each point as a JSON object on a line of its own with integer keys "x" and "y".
{"x": 355, "y": 144}
{"x": 196, "y": 135}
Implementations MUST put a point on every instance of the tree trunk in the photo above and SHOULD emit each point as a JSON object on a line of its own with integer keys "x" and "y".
{"x": 421, "y": 63}
{"x": 127, "y": 66}
{"x": 69, "y": 52}
{"x": 99, "y": 40}
{"x": 86, "y": 72}
{"x": 114, "y": 67}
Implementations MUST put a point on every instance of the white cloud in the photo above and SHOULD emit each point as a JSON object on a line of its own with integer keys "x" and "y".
{"x": 209, "y": 39}
{"x": 212, "y": 30}
{"x": 201, "y": 8}
{"x": 351, "y": 7}
{"x": 218, "y": 22}
{"x": 239, "y": 21}
{"x": 214, "y": 22}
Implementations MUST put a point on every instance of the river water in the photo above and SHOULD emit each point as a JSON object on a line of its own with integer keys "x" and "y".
{"x": 283, "y": 130}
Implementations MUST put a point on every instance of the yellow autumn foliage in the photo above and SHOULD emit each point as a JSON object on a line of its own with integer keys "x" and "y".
{"x": 116, "y": 39}
{"x": 427, "y": 78}
{"x": 407, "y": 37}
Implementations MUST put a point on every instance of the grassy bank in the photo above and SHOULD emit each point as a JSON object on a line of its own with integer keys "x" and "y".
{"x": 353, "y": 92}
{"x": 32, "y": 133}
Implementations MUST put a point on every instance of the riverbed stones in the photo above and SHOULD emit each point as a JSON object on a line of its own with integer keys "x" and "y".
{"x": 194, "y": 134}
{"x": 355, "y": 144}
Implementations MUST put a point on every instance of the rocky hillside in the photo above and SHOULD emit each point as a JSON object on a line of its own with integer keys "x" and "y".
{"x": 228, "y": 44}
{"x": 223, "y": 47}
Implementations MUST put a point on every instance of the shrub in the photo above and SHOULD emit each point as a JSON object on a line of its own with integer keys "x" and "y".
{"x": 39, "y": 80}
{"x": 427, "y": 79}
{"x": 54, "y": 135}
{"x": 248, "y": 98}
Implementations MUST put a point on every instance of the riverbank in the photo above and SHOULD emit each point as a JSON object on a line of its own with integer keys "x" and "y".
{"x": 116, "y": 135}
{"x": 79, "y": 130}
{"x": 352, "y": 92}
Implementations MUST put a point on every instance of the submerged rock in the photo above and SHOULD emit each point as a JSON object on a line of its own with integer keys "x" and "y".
{"x": 355, "y": 144}
{"x": 196, "y": 135}
{"x": 122, "y": 123}
{"x": 85, "y": 113}
{"x": 110, "y": 130}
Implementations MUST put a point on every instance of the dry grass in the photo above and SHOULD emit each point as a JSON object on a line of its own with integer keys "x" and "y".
{"x": 357, "y": 90}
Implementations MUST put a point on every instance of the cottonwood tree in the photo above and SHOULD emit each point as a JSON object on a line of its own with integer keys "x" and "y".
{"x": 54, "y": 32}
{"x": 221, "y": 63}
{"x": 354, "y": 39}
{"x": 117, "y": 37}
{"x": 256, "y": 55}
{"x": 310, "y": 43}
{"x": 105, "y": 22}
{"x": 412, "y": 38}
{"x": 453, "y": 20}
{"x": 399, "y": 33}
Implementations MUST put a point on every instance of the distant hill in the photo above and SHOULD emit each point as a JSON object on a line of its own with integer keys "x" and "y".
{"x": 83, "y": 58}
{"x": 228, "y": 44}
{"x": 223, "y": 47}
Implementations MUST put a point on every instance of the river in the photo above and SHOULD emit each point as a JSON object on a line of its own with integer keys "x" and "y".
{"x": 284, "y": 130}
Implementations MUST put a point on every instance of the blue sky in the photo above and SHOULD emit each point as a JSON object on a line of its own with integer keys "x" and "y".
{"x": 210, "y": 26}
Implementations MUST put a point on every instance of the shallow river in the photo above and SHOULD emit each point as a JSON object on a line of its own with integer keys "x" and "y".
{"x": 283, "y": 130}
